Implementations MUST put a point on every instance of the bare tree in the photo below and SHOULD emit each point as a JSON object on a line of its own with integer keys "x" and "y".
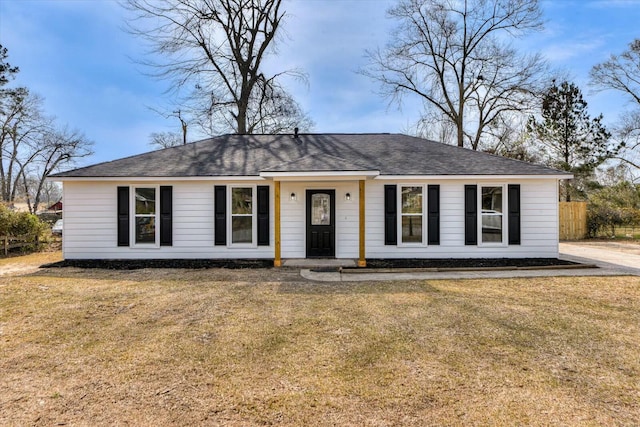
{"x": 628, "y": 131}
{"x": 22, "y": 125}
{"x": 165, "y": 139}
{"x": 30, "y": 145}
{"x": 271, "y": 110}
{"x": 511, "y": 138}
{"x": 50, "y": 192}
{"x": 58, "y": 147}
{"x": 15, "y": 110}
{"x": 215, "y": 50}
{"x": 168, "y": 139}
{"x": 622, "y": 73}
{"x": 455, "y": 56}
{"x": 32, "y": 148}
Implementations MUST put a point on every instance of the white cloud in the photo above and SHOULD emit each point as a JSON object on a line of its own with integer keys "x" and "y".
{"x": 566, "y": 50}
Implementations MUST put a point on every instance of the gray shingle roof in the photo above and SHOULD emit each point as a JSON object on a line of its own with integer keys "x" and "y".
{"x": 248, "y": 155}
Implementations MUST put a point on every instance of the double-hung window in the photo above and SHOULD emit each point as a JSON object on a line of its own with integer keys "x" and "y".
{"x": 145, "y": 216}
{"x": 411, "y": 211}
{"x": 242, "y": 225}
{"x": 491, "y": 215}
{"x": 413, "y": 217}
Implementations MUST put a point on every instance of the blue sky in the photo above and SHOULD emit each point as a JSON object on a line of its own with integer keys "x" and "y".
{"x": 76, "y": 55}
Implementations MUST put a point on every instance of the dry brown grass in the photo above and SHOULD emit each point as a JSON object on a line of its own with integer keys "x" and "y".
{"x": 264, "y": 347}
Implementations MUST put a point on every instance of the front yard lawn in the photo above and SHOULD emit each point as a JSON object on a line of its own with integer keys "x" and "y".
{"x": 266, "y": 347}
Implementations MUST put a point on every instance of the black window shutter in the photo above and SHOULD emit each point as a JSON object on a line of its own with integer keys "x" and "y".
{"x": 123, "y": 216}
{"x": 390, "y": 215}
{"x": 514, "y": 214}
{"x": 166, "y": 215}
{"x": 220, "y": 214}
{"x": 263, "y": 215}
{"x": 470, "y": 214}
{"x": 433, "y": 214}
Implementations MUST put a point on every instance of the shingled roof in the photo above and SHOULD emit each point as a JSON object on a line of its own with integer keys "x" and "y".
{"x": 249, "y": 155}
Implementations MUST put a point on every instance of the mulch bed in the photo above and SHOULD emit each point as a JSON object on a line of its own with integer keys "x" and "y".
{"x": 126, "y": 264}
{"x": 267, "y": 263}
{"x": 467, "y": 263}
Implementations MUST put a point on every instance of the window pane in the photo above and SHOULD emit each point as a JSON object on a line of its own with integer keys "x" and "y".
{"x": 241, "y": 200}
{"x": 412, "y": 229}
{"x": 492, "y": 199}
{"x": 320, "y": 209}
{"x": 241, "y": 229}
{"x": 492, "y": 214}
{"x": 492, "y": 228}
{"x": 145, "y": 230}
{"x": 412, "y": 200}
{"x": 145, "y": 200}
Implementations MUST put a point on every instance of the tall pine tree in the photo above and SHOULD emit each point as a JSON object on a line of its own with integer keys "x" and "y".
{"x": 571, "y": 139}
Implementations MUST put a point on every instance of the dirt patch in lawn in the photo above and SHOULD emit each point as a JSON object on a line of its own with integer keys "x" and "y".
{"x": 264, "y": 347}
{"x": 25, "y": 264}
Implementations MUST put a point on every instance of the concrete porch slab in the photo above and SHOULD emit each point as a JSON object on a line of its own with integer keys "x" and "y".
{"x": 318, "y": 263}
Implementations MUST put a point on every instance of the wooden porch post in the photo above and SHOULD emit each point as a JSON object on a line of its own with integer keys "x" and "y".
{"x": 361, "y": 252}
{"x": 277, "y": 261}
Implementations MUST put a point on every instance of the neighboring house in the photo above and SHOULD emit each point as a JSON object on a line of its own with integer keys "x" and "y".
{"x": 311, "y": 195}
{"x": 56, "y": 207}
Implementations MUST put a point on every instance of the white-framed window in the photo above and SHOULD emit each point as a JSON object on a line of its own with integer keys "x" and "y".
{"x": 145, "y": 206}
{"x": 492, "y": 199}
{"x": 411, "y": 226}
{"x": 242, "y": 223}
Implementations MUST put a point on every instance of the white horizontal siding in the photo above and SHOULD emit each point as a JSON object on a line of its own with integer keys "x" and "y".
{"x": 539, "y": 223}
{"x": 91, "y": 224}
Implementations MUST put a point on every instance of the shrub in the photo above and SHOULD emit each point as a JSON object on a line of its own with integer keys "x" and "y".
{"x": 26, "y": 224}
{"x": 15, "y": 224}
{"x": 49, "y": 218}
{"x": 601, "y": 219}
{"x": 611, "y": 207}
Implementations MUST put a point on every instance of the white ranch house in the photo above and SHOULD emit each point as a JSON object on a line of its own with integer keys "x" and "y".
{"x": 352, "y": 196}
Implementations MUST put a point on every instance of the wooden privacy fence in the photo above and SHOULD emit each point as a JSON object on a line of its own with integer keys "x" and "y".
{"x": 573, "y": 220}
{"x": 11, "y": 242}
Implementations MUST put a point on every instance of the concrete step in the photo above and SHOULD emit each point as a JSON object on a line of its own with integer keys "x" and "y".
{"x": 318, "y": 262}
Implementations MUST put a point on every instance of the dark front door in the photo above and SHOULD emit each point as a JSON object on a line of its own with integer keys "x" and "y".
{"x": 321, "y": 227}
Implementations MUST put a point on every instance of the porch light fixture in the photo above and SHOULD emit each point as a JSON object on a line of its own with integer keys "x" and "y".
{"x": 293, "y": 197}
{"x": 347, "y": 197}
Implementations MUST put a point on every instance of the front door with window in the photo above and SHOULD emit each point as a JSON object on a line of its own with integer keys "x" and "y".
{"x": 321, "y": 228}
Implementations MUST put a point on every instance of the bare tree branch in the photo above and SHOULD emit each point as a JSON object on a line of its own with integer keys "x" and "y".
{"x": 212, "y": 52}
{"x": 453, "y": 55}
{"x": 31, "y": 147}
{"x": 622, "y": 74}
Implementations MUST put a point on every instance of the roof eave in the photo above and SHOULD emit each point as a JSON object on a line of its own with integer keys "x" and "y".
{"x": 475, "y": 177}
{"x": 306, "y": 176}
{"x": 320, "y": 175}
{"x": 155, "y": 178}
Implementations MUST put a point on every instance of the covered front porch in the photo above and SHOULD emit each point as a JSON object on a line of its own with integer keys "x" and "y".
{"x": 320, "y": 218}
